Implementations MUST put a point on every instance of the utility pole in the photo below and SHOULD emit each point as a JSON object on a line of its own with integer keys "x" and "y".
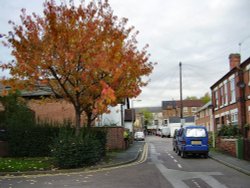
{"x": 181, "y": 104}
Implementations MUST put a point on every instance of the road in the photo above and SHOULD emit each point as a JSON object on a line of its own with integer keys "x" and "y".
{"x": 159, "y": 167}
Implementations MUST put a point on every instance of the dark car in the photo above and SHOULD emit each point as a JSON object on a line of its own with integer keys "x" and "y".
{"x": 174, "y": 141}
{"x": 192, "y": 140}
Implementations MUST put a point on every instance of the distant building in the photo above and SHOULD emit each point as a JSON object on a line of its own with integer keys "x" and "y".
{"x": 204, "y": 116}
{"x": 172, "y": 108}
{"x": 157, "y": 118}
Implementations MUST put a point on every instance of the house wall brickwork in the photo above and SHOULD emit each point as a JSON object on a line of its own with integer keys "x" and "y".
{"x": 205, "y": 121}
{"x": 204, "y": 116}
{"x": 172, "y": 108}
{"x": 54, "y": 110}
{"x": 227, "y": 145}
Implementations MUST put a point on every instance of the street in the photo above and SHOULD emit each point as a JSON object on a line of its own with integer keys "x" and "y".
{"x": 159, "y": 167}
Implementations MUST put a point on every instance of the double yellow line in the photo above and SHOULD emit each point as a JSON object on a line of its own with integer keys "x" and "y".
{"x": 142, "y": 159}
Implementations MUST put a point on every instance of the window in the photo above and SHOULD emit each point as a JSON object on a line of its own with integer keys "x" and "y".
{"x": 197, "y": 132}
{"x": 234, "y": 118}
{"x": 216, "y": 99}
{"x": 165, "y": 121}
{"x": 185, "y": 109}
{"x": 156, "y": 122}
{"x": 232, "y": 90}
{"x": 217, "y": 123}
{"x": 248, "y": 71}
{"x": 194, "y": 109}
{"x": 221, "y": 96}
{"x": 225, "y": 94}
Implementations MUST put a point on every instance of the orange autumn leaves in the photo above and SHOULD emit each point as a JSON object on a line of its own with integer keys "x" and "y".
{"x": 85, "y": 54}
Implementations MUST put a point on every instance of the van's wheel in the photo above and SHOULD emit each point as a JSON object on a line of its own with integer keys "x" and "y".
{"x": 178, "y": 152}
{"x": 183, "y": 154}
{"x": 206, "y": 155}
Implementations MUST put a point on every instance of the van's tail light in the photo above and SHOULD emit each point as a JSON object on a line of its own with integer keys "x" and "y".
{"x": 183, "y": 142}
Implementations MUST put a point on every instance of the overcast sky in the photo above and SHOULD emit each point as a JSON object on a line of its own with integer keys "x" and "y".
{"x": 199, "y": 33}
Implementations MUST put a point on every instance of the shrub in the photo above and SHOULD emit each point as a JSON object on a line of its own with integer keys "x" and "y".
{"x": 30, "y": 141}
{"x": 16, "y": 112}
{"x": 229, "y": 130}
{"x": 71, "y": 151}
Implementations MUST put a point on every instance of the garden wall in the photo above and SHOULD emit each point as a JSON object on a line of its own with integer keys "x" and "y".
{"x": 115, "y": 140}
{"x": 227, "y": 145}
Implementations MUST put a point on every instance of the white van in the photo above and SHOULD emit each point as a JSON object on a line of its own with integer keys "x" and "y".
{"x": 163, "y": 132}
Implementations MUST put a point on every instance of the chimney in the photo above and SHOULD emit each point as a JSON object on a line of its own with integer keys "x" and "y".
{"x": 234, "y": 60}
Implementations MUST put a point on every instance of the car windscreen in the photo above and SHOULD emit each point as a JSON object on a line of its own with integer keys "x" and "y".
{"x": 139, "y": 133}
{"x": 196, "y": 132}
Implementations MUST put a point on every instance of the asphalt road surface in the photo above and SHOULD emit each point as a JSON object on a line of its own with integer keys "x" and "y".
{"x": 159, "y": 167}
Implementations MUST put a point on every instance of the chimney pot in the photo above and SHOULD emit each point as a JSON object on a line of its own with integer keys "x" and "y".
{"x": 234, "y": 60}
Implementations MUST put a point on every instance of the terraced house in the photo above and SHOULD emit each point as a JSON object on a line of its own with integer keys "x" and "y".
{"x": 231, "y": 96}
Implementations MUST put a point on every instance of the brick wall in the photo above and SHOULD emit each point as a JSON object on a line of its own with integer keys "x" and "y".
{"x": 227, "y": 145}
{"x": 115, "y": 140}
{"x": 53, "y": 110}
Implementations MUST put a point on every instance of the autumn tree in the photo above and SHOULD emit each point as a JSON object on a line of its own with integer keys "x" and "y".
{"x": 85, "y": 54}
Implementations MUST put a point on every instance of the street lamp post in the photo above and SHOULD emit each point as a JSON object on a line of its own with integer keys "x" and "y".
{"x": 133, "y": 118}
{"x": 241, "y": 42}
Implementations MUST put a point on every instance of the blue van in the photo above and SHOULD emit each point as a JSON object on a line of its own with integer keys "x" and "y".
{"x": 192, "y": 140}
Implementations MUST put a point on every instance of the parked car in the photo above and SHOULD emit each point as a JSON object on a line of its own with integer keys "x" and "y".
{"x": 174, "y": 141}
{"x": 139, "y": 135}
{"x": 192, "y": 140}
{"x": 163, "y": 131}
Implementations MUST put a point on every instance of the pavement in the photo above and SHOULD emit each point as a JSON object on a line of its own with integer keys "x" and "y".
{"x": 134, "y": 152}
{"x": 127, "y": 156}
{"x": 233, "y": 162}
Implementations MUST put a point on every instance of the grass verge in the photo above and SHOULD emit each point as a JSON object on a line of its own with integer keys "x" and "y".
{"x": 25, "y": 164}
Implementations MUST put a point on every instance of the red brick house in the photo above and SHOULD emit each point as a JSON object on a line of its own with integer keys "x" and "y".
{"x": 231, "y": 96}
{"x": 204, "y": 116}
{"x": 172, "y": 108}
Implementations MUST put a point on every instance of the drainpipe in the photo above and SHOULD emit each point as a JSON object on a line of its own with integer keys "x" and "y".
{"x": 242, "y": 101}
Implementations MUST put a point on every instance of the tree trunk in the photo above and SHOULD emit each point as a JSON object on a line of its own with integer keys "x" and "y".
{"x": 78, "y": 121}
{"x": 89, "y": 119}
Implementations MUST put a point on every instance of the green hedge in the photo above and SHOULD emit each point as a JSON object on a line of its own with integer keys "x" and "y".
{"x": 71, "y": 151}
{"x": 30, "y": 141}
{"x": 27, "y": 138}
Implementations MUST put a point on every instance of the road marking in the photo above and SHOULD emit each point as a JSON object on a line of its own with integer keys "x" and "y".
{"x": 175, "y": 161}
{"x": 196, "y": 184}
{"x": 176, "y": 177}
{"x": 172, "y": 157}
{"x": 179, "y": 165}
